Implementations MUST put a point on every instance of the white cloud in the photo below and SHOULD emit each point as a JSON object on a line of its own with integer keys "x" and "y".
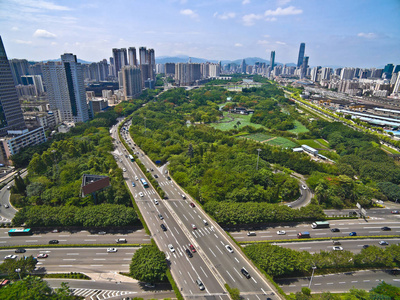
{"x": 248, "y": 20}
{"x": 190, "y": 13}
{"x": 15, "y": 28}
{"x": 369, "y": 35}
{"x": 262, "y": 42}
{"x": 280, "y": 43}
{"x": 41, "y": 33}
{"x": 238, "y": 45}
{"x": 273, "y": 19}
{"x": 283, "y": 2}
{"x": 266, "y": 35}
{"x": 290, "y": 10}
{"x": 54, "y": 43}
{"x": 244, "y": 2}
{"x": 42, "y": 5}
{"x": 23, "y": 42}
{"x": 225, "y": 16}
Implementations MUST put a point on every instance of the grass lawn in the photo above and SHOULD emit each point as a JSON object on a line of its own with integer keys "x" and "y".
{"x": 310, "y": 143}
{"x": 390, "y": 150}
{"x": 323, "y": 142}
{"x": 299, "y": 128}
{"x": 282, "y": 142}
{"x": 244, "y": 120}
{"x": 257, "y": 136}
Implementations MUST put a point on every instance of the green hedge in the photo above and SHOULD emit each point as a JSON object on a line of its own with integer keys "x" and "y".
{"x": 71, "y": 275}
{"x": 174, "y": 286}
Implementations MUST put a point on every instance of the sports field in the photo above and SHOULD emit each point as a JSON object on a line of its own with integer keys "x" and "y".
{"x": 259, "y": 137}
{"x": 299, "y": 128}
{"x": 316, "y": 144}
{"x": 231, "y": 120}
{"x": 281, "y": 142}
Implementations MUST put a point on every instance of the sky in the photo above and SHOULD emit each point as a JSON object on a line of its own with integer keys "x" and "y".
{"x": 351, "y": 33}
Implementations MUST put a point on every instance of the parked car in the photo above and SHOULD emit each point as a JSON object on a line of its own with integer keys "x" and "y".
{"x": 102, "y": 233}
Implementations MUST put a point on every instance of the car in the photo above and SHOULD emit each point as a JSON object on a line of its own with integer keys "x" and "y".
{"x": 183, "y": 196}
{"x": 9, "y": 187}
{"x": 20, "y": 250}
{"x": 337, "y": 248}
{"x": 194, "y": 226}
{"x": 53, "y": 242}
{"x": 11, "y": 256}
{"x": 133, "y": 184}
{"x": 386, "y": 228}
{"x": 383, "y": 243}
{"x": 289, "y": 205}
{"x": 335, "y": 230}
{"x": 6, "y": 205}
{"x": 281, "y": 232}
{"x": 353, "y": 233}
{"x": 365, "y": 246}
{"x": 112, "y": 250}
{"x": 141, "y": 194}
{"x": 192, "y": 204}
{"x": 166, "y": 197}
{"x": 379, "y": 201}
{"x": 395, "y": 212}
{"x": 169, "y": 178}
{"x": 171, "y": 248}
{"x": 136, "y": 178}
{"x": 149, "y": 285}
{"x": 205, "y": 222}
{"x": 192, "y": 248}
{"x": 200, "y": 284}
{"x": 156, "y": 202}
{"x": 160, "y": 216}
{"x": 245, "y": 273}
{"x": 304, "y": 187}
{"x": 121, "y": 241}
{"x": 166, "y": 171}
{"x": 102, "y": 233}
{"x": 124, "y": 169}
{"x": 189, "y": 253}
{"x": 151, "y": 169}
{"x": 42, "y": 255}
{"x": 155, "y": 176}
{"x": 229, "y": 248}
{"x": 163, "y": 227}
{"x": 55, "y": 231}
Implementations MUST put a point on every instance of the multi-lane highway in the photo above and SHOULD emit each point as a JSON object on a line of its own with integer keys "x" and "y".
{"x": 212, "y": 263}
{"x": 7, "y": 212}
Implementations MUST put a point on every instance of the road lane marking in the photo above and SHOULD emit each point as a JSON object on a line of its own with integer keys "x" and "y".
{"x": 236, "y": 259}
{"x": 96, "y": 265}
{"x": 89, "y": 240}
{"x": 219, "y": 249}
{"x": 230, "y": 276}
{"x": 212, "y": 252}
{"x": 99, "y": 259}
{"x": 342, "y": 282}
{"x": 65, "y": 266}
{"x": 69, "y": 258}
{"x": 354, "y": 281}
{"x": 31, "y": 241}
{"x": 203, "y": 272}
{"x": 254, "y": 279}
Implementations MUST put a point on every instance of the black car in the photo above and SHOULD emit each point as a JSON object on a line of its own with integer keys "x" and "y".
{"x": 20, "y": 250}
{"x": 163, "y": 227}
{"x": 245, "y": 273}
{"x": 386, "y": 228}
{"x": 365, "y": 246}
{"x": 169, "y": 178}
{"x": 53, "y": 242}
{"x": 189, "y": 253}
{"x": 335, "y": 230}
{"x": 166, "y": 197}
{"x": 155, "y": 176}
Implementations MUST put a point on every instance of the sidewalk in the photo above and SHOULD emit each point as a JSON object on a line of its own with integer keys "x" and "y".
{"x": 110, "y": 277}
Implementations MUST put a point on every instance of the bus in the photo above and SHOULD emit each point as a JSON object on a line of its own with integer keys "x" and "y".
{"x": 144, "y": 182}
{"x": 320, "y": 224}
{"x": 131, "y": 157}
{"x": 16, "y": 232}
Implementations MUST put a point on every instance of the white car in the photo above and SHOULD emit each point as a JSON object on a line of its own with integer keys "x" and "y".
{"x": 42, "y": 255}
{"x": 337, "y": 248}
{"x": 171, "y": 248}
{"x": 136, "y": 178}
{"x": 229, "y": 248}
{"x": 124, "y": 169}
{"x": 281, "y": 232}
{"x": 304, "y": 187}
{"x": 156, "y": 202}
{"x": 11, "y": 256}
{"x": 112, "y": 250}
{"x": 141, "y": 194}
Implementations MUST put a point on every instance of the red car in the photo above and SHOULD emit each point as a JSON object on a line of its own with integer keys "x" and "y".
{"x": 42, "y": 255}
{"x": 192, "y": 204}
{"x": 395, "y": 211}
{"x": 194, "y": 226}
{"x": 192, "y": 248}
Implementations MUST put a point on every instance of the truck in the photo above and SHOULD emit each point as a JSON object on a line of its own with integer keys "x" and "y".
{"x": 303, "y": 235}
{"x": 320, "y": 224}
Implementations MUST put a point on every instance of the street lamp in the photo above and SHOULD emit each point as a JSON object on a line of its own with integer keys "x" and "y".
{"x": 258, "y": 157}
{"x": 18, "y": 271}
{"x": 312, "y": 275}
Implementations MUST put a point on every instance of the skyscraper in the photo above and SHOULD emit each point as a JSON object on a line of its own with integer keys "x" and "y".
{"x": 131, "y": 81}
{"x": 304, "y": 67}
{"x": 19, "y": 67}
{"x": 11, "y": 117}
{"x": 132, "y": 56}
{"x": 272, "y": 60}
{"x": 243, "y": 67}
{"x": 65, "y": 88}
{"x": 120, "y": 59}
{"x": 143, "y": 55}
{"x": 301, "y": 54}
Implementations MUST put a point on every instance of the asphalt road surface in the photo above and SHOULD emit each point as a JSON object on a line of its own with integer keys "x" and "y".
{"x": 212, "y": 262}
{"x": 6, "y": 214}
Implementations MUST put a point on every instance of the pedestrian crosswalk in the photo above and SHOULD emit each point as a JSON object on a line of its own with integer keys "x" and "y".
{"x": 94, "y": 294}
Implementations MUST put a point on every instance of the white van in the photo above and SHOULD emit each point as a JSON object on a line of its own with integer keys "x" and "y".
{"x": 205, "y": 222}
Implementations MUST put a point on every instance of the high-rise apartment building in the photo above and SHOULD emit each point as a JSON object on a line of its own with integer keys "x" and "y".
{"x": 243, "y": 67}
{"x": 35, "y": 80}
{"x": 11, "y": 117}
{"x": 187, "y": 73}
{"x": 120, "y": 59}
{"x": 272, "y": 60}
{"x": 170, "y": 69}
{"x": 132, "y": 56}
{"x": 301, "y": 54}
{"x": 304, "y": 67}
{"x": 143, "y": 56}
{"x": 326, "y": 73}
{"x": 131, "y": 81}
{"x": 19, "y": 67}
{"x": 65, "y": 88}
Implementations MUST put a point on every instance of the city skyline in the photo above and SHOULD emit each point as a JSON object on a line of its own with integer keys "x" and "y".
{"x": 355, "y": 34}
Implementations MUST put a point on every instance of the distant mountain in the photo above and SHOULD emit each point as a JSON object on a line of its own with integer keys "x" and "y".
{"x": 59, "y": 59}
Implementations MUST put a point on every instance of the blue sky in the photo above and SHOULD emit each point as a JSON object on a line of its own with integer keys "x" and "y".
{"x": 354, "y": 33}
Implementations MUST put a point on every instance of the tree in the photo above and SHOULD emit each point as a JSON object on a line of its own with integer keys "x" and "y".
{"x": 34, "y": 288}
{"x": 190, "y": 153}
{"x": 386, "y": 290}
{"x": 148, "y": 264}
{"x": 25, "y": 264}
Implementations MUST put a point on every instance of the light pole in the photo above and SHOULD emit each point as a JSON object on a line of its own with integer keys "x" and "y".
{"x": 18, "y": 271}
{"x": 312, "y": 275}
{"x": 258, "y": 158}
